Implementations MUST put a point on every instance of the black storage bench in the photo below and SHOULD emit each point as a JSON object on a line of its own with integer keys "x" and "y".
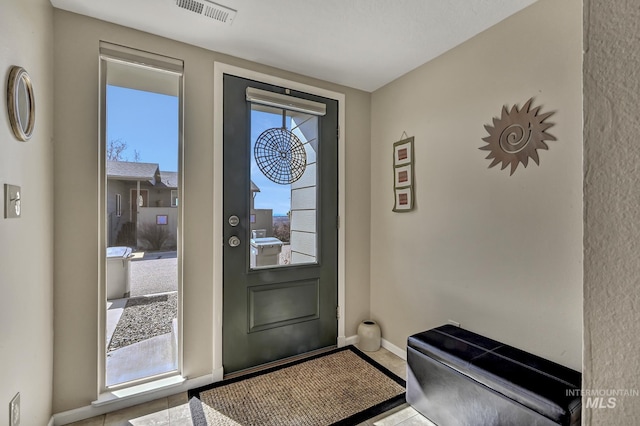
{"x": 456, "y": 377}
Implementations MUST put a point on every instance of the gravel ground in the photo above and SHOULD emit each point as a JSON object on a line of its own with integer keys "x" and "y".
{"x": 143, "y": 318}
{"x": 146, "y": 314}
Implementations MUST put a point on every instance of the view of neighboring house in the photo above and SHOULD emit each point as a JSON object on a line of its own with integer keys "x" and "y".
{"x": 128, "y": 212}
{"x": 140, "y": 196}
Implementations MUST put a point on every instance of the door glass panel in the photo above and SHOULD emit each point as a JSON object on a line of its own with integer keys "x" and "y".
{"x": 142, "y": 151}
{"x": 284, "y": 187}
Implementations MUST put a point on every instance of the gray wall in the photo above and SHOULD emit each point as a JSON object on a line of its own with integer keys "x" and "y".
{"x": 76, "y": 218}
{"x": 26, "y": 244}
{"x": 611, "y": 214}
{"x": 610, "y": 156}
{"x": 500, "y": 254}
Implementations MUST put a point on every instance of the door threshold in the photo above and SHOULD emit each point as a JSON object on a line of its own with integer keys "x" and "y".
{"x": 278, "y": 363}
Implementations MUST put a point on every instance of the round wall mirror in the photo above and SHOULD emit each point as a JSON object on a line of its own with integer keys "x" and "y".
{"x": 21, "y": 103}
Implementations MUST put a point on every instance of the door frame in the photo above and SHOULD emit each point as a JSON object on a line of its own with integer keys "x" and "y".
{"x": 219, "y": 69}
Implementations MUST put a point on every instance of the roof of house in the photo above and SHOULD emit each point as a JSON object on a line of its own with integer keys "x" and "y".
{"x": 131, "y": 171}
{"x": 127, "y": 170}
{"x": 168, "y": 179}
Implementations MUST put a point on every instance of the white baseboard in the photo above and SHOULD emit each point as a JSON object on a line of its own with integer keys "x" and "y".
{"x": 113, "y": 404}
{"x": 402, "y": 353}
{"x": 342, "y": 341}
{"x": 51, "y": 422}
{"x": 218, "y": 375}
{"x": 353, "y": 340}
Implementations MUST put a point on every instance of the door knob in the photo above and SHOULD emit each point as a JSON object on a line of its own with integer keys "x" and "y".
{"x": 234, "y": 241}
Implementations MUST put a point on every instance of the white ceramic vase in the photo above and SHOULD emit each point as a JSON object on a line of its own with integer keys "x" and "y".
{"x": 369, "y": 336}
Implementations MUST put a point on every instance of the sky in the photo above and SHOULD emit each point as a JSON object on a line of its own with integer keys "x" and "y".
{"x": 272, "y": 195}
{"x": 148, "y": 123}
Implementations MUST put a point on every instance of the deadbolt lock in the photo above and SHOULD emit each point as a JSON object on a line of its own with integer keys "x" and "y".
{"x": 234, "y": 241}
{"x": 234, "y": 220}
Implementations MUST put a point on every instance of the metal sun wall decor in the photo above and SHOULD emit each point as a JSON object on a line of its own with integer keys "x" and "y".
{"x": 517, "y": 135}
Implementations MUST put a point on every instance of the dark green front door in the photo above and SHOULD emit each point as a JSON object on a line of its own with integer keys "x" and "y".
{"x": 280, "y": 235}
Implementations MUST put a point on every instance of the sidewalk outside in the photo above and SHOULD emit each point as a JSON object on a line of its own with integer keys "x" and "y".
{"x": 151, "y": 274}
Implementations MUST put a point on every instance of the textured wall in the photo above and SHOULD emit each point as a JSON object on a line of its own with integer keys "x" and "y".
{"x": 612, "y": 216}
{"x": 500, "y": 254}
{"x": 26, "y": 244}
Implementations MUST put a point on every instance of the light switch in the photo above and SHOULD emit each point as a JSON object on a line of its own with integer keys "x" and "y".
{"x": 12, "y": 195}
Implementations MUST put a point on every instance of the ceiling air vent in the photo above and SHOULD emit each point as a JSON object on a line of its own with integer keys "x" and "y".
{"x": 209, "y": 9}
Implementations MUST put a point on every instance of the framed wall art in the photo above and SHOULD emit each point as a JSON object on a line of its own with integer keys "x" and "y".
{"x": 404, "y": 199}
{"x": 403, "y": 175}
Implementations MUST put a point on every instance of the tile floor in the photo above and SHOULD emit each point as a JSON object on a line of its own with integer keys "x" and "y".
{"x": 174, "y": 410}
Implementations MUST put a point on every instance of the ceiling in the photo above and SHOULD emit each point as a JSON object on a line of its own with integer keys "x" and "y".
{"x": 363, "y": 44}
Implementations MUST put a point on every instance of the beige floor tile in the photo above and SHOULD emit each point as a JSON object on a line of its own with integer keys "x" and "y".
{"x": 181, "y": 422}
{"x": 417, "y": 420}
{"x": 382, "y": 417}
{"x": 159, "y": 418}
{"x": 179, "y": 412}
{"x": 395, "y": 417}
{"x": 154, "y": 413}
{"x": 179, "y": 399}
{"x": 93, "y": 421}
{"x": 391, "y": 361}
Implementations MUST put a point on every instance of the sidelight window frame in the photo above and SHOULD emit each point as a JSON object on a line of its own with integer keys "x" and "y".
{"x": 141, "y": 61}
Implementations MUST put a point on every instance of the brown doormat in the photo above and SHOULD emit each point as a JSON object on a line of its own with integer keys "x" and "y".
{"x": 341, "y": 387}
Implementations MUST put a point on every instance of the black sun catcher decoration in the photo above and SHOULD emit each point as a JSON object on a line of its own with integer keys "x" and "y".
{"x": 280, "y": 155}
